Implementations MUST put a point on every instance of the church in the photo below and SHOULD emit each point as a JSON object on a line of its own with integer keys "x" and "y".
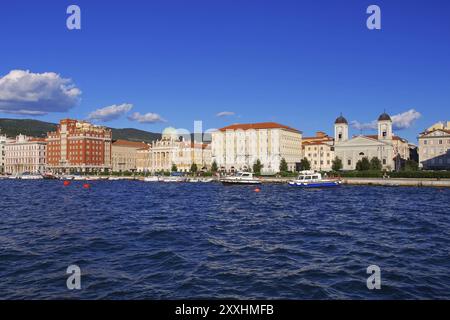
{"x": 389, "y": 148}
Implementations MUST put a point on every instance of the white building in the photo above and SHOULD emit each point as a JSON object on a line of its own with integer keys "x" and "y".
{"x": 390, "y": 149}
{"x": 434, "y": 147}
{"x": 3, "y": 141}
{"x": 239, "y": 146}
{"x": 174, "y": 149}
{"x": 25, "y": 154}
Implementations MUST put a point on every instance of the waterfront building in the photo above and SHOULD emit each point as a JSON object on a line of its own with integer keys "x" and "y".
{"x": 143, "y": 160}
{"x": 179, "y": 150}
{"x": 3, "y": 141}
{"x": 79, "y": 146}
{"x": 319, "y": 150}
{"x": 239, "y": 146}
{"x": 25, "y": 154}
{"x": 434, "y": 147}
{"x": 392, "y": 150}
{"x": 124, "y": 155}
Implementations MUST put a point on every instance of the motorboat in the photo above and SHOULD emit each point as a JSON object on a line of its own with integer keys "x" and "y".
{"x": 152, "y": 179}
{"x": 311, "y": 179}
{"x": 31, "y": 176}
{"x": 241, "y": 178}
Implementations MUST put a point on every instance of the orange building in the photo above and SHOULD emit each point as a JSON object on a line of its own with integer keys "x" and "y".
{"x": 79, "y": 146}
{"x": 319, "y": 150}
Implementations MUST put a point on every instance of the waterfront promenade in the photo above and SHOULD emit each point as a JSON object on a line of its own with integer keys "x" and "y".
{"x": 404, "y": 182}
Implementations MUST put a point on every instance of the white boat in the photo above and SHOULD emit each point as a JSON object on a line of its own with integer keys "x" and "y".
{"x": 93, "y": 178}
{"x": 173, "y": 179}
{"x": 311, "y": 179}
{"x": 241, "y": 178}
{"x": 206, "y": 180}
{"x": 31, "y": 176}
{"x": 152, "y": 179}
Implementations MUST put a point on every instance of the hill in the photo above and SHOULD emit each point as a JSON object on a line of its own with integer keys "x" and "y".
{"x": 36, "y": 128}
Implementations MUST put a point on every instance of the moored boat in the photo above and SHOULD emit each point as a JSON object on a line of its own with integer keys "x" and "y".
{"x": 152, "y": 179}
{"x": 241, "y": 178}
{"x": 31, "y": 176}
{"x": 311, "y": 179}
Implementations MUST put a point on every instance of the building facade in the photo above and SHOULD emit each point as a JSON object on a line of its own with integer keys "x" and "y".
{"x": 390, "y": 149}
{"x": 3, "y": 141}
{"x": 143, "y": 160}
{"x": 25, "y": 154}
{"x": 434, "y": 147}
{"x": 319, "y": 150}
{"x": 124, "y": 155}
{"x": 79, "y": 146}
{"x": 239, "y": 146}
{"x": 173, "y": 149}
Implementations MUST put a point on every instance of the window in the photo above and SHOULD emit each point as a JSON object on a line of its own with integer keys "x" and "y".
{"x": 384, "y": 161}
{"x": 384, "y": 134}
{"x": 425, "y": 142}
{"x": 349, "y": 162}
{"x": 340, "y": 136}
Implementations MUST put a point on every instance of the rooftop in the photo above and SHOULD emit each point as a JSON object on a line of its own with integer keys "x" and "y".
{"x": 131, "y": 144}
{"x": 260, "y": 125}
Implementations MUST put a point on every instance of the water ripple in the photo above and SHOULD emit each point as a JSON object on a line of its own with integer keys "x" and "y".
{"x": 134, "y": 240}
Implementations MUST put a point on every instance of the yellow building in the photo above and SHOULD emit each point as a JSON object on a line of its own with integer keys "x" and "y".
{"x": 124, "y": 155}
{"x": 319, "y": 150}
{"x": 434, "y": 147}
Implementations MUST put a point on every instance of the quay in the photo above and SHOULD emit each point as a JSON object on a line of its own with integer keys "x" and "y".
{"x": 396, "y": 182}
{"x": 393, "y": 182}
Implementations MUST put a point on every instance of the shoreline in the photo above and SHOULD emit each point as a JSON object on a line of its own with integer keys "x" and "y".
{"x": 388, "y": 182}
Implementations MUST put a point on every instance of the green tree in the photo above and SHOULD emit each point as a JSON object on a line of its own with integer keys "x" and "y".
{"x": 174, "y": 168}
{"x": 411, "y": 165}
{"x": 194, "y": 168}
{"x": 337, "y": 164}
{"x": 214, "y": 167}
{"x": 305, "y": 165}
{"x": 283, "y": 165}
{"x": 375, "y": 164}
{"x": 257, "y": 166}
{"x": 363, "y": 164}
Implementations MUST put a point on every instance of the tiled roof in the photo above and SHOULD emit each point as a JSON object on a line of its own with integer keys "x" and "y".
{"x": 375, "y": 136}
{"x": 131, "y": 144}
{"x": 261, "y": 125}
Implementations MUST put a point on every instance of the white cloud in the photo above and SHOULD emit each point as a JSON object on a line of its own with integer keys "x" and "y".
{"x": 364, "y": 126}
{"x": 399, "y": 121}
{"x": 225, "y": 114}
{"x": 24, "y": 92}
{"x": 405, "y": 120}
{"x": 110, "y": 113}
{"x": 146, "y": 118}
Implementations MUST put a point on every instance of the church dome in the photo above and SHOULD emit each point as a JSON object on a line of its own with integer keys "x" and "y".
{"x": 384, "y": 117}
{"x": 341, "y": 119}
{"x": 169, "y": 132}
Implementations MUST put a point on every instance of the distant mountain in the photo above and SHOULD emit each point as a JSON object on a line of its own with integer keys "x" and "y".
{"x": 36, "y": 128}
{"x": 134, "y": 135}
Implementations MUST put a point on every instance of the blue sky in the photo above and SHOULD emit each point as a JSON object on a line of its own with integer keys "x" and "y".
{"x": 300, "y": 63}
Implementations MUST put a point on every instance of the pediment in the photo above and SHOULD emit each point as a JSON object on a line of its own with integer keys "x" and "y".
{"x": 361, "y": 141}
{"x": 436, "y": 133}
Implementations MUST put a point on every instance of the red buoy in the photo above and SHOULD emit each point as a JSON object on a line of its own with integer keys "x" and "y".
{"x": 66, "y": 183}
{"x": 257, "y": 190}
{"x": 86, "y": 186}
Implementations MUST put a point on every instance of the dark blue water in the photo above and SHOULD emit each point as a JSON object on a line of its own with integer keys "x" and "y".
{"x": 135, "y": 240}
